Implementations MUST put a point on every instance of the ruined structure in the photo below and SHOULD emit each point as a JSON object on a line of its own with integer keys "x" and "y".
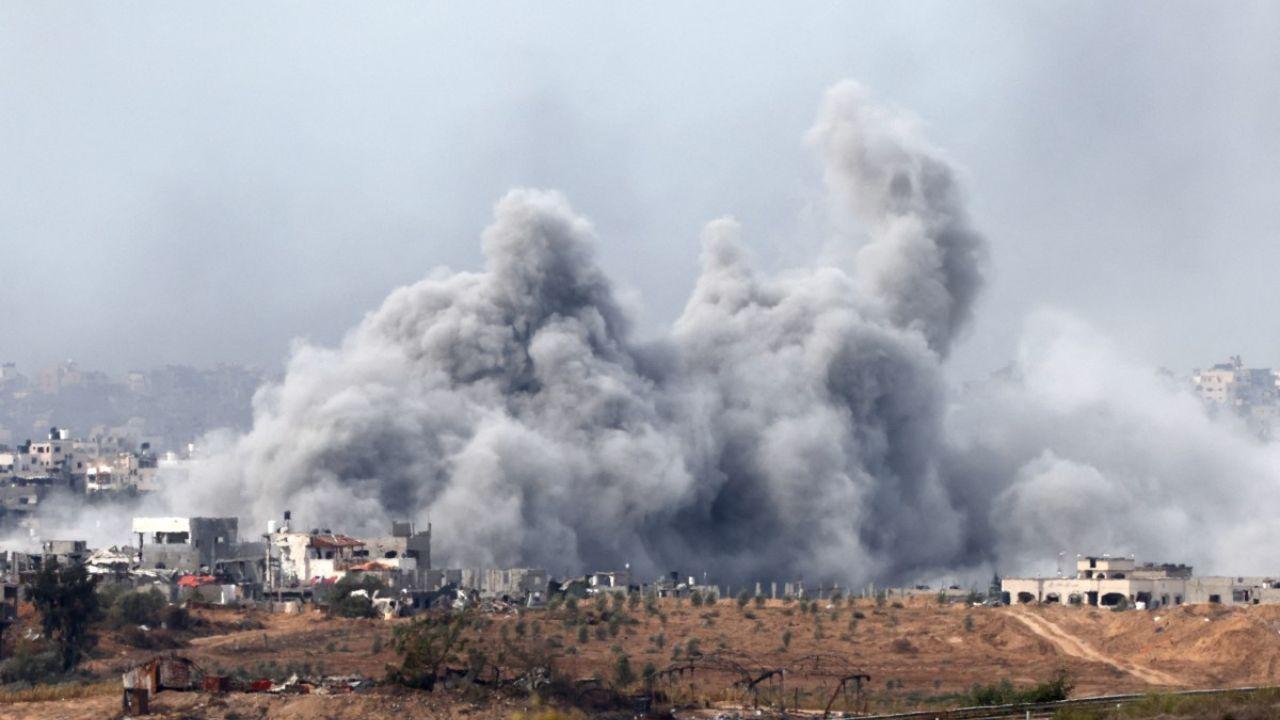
{"x": 197, "y": 545}
{"x": 1106, "y": 581}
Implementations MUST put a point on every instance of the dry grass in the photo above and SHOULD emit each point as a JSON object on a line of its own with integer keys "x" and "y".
{"x": 65, "y": 691}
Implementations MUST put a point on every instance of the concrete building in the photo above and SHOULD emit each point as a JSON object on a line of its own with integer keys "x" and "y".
{"x": 508, "y": 582}
{"x": 406, "y": 550}
{"x": 1106, "y": 581}
{"x": 1234, "y": 385}
{"x": 65, "y": 552}
{"x": 301, "y": 559}
{"x": 191, "y": 544}
{"x": 120, "y": 471}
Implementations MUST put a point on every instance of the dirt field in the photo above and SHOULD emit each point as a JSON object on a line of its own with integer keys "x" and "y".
{"x": 923, "y": 654}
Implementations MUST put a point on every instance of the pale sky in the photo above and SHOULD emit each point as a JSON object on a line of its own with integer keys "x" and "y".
{"x": 197, "y": 183}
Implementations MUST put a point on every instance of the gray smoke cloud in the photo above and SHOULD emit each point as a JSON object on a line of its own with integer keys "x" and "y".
{"x": 789, "y": 424}
{"x": 1079, "y": 449}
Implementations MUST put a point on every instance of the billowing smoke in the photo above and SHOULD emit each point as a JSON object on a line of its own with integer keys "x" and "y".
{"x": 789, "y": 424}
{"x": 1079, "y": 449}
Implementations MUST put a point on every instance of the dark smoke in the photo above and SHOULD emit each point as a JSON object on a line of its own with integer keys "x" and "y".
{"x": 795, "y": 424}
{"x": 789, "y": 425}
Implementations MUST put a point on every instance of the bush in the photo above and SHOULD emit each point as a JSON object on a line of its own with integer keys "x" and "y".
{"x": 623, "y": 675}
{"x": 175, "y": 618}
{"x": 695, "y": 598}
{"x": 140, "y": 607}
{"x": 344, "y": 604}
{"x": 1004, "y": 692}
{"x": 31, "y": 665}
{"x": 744, "y": 597}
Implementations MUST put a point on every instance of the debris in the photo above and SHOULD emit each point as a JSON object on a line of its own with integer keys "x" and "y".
{"x": 145, "y": 680}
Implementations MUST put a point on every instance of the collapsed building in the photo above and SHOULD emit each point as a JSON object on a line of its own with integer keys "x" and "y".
{"x": 205, "y": 559}
{"x": 1106, "y": 581}
{"x": 297, "y": 562}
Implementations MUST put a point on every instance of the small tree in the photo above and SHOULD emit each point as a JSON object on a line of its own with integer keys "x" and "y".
{"x": 744, "y": 597}
{"x": 695, "y": 598}
{"x": 427, "y": 644}
{"x": 67, "y": 602}
{"x": 759, "y": 599}
{"x": 623, "y": 675}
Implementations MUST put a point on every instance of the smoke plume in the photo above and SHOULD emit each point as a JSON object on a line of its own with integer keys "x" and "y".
{"x": 789, "y": 424}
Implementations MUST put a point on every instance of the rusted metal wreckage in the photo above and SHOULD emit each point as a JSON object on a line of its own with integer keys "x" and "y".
{"x": 174, "y": 672}
{"x": 161, "y": 673}
{"x": 755, "y": 678}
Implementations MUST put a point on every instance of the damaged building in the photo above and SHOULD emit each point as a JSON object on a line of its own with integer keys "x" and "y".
{"x": 298, "y": 561}
{"x": 200, "y": 545}
{"x": 1106, "y": 581}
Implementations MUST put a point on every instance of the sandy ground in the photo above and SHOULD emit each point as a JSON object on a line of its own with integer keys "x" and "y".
{"x": 918, "y": 654}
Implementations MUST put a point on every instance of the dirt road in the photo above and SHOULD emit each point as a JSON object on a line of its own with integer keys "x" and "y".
{"x": 1075, "y": 647}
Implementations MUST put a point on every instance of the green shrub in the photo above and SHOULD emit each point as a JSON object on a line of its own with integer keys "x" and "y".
{"x": 140, "y": 607}
{"x": 623, "y": 675}
{"x": 344, "y": 604}
{"x": 30, "y": 664}
{"x": 1004, "y": 693}
{"x": 175, "y": 618}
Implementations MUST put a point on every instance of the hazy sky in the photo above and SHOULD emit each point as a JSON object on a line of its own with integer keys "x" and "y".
{"x": 202, "y": 183}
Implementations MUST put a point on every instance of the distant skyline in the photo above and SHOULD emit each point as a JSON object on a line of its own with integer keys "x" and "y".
{"x": 203, "y": 184}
